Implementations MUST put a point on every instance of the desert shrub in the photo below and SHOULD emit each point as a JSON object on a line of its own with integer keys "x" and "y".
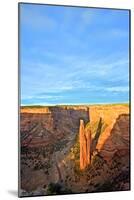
{"x": 76, "y": 151}
{"x": 106, "y": 187}
{"x": 77, "y": 169}
{"x": 76, "y": 148}
{"x": 57, "y": 188}
{"x": 97, "y": 161}
{"x": 24, "y": 150}
{"x": 54, "y": 188}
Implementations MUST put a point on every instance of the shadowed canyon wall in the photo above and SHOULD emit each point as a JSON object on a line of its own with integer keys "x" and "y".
{"x": 40, "y": 126}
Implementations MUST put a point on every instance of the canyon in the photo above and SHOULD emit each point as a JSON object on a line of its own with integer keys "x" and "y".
{"x": 73, "y": 149}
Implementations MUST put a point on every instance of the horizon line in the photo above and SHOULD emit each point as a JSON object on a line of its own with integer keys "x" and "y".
{"x": 68, "y": 104}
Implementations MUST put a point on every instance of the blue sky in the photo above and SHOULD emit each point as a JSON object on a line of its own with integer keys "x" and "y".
{"x": 73, "y": 55}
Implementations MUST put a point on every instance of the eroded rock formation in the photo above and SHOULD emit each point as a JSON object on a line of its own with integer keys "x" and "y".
{"x": 47, "y": 136}
{"x": 85, "y": 146}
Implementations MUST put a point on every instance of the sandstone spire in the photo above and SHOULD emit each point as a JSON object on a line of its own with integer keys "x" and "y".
{"x": 85, "y": 146}
{"x": 88, "y": 138}
{"x": 83, "y": 152}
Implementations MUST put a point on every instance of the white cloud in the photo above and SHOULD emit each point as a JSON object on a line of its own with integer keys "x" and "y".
{"x": 74, "y": 74}
{"x": 117, "y": 89}
{"x": 54, "y": 97}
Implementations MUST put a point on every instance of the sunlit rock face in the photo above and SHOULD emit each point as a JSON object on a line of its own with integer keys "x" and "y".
{"x": 118, "y": 141}
{"x": 85, "y": 146}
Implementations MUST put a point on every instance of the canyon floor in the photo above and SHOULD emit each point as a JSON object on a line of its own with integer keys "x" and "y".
{"x": 50, "y": 149}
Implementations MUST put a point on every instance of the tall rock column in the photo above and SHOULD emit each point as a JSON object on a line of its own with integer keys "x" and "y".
{"x": 88, "y": 138}
{"x": 85, "y": 146}
{"x": 83, "y": 149}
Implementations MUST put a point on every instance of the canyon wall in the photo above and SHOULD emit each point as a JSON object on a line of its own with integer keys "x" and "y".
{"x": 40, "y": 126}
{"x": 117, "y": 143}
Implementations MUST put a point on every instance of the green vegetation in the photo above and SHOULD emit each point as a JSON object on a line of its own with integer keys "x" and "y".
{"x": 76, "y": 105}
{"x": 53, "y": 188}
{"x": 106, "y": 187}
{"x": 110, "y": 104}
{"x": 97, "y": 160}
{"x": 75, "y": 154}
{"x": 75, "y": 151}
{"x": 57, "y": 188}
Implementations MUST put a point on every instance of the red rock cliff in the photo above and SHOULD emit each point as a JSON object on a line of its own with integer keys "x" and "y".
{"x": 85, "y": 146}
